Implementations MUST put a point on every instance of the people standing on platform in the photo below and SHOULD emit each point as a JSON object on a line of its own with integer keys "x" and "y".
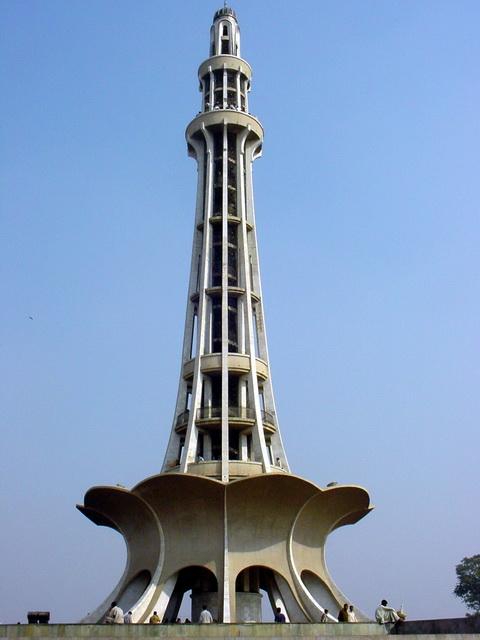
{"x": 127, "y": 618}
{"x": 154, "y": 619}
{"x": 114, "y": 615}
{"x": 205, "y": 616}
{"x": 343, "y": 614}
{"x": 351, "y": 614}
{"x": 279, "y": 616}
{"x": 324, "y": 617}
{"x": 384, "y": 613}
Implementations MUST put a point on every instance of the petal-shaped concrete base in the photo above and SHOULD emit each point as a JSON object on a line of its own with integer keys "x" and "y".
{"x": 225, "y": 541}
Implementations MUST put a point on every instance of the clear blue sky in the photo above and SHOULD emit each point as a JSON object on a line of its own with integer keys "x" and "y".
{"x": 367, "y": 202}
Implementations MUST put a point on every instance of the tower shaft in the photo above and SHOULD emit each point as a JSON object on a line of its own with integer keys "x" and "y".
{"x": 225, "y": 423}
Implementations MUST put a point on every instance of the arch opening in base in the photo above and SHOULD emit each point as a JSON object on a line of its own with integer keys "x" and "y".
{"x": 260, "y": 591}
{"x": 200, "y": 586}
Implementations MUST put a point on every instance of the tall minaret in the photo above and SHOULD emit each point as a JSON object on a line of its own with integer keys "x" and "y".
{"x": 225, "y": 519}
{"x": 225, "y": 413}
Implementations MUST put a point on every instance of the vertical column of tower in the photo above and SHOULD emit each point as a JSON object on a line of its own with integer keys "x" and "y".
{"x": 225, "y": 414}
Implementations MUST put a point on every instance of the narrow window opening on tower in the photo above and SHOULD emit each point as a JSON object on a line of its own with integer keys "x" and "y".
{"x": 225, "y": 46}
{"x": 217, "y": 200}
{"x": 268, "y": 442}
{"x": 232, "y": 173}
{"x": 232, "y": 235}
{"x": 232, "y": 324}
{"x": 217, "y": 256}
{"x": 197, "y": 284}
{"x": 199, "y": 455}
{"x": 180, "y": 450}
{"x": 216, "y": 392}
{"x": 232, "y": 146}
{"x": 217, "y": 174}
{"x": 233, "y": 394}
{"x": 218, "y": 92}
{"x": 225, "y": 30}
{"x": 216, "y": 324}
{"x": 243, "y": 92}
{"x": 231, "y": 99}
{"x": 232, "y": 267}
{"x": 255, "y": 334}
{"x": 232, "y": 201}
{"x": 261, "y": 398}
{"x": 250, "y": 263}
{"x": 206, "y": 91}
{"x": 218, "y": 145}
{"x": 216, "y": 437}
{"x": 233, "y": 444}
{"x": 232, "y": 256}
{"x": 193, "y": 341}
{"x": 234, "y": 412}
{"x": 232, "y": 248}
{"x": 231, "y": 80}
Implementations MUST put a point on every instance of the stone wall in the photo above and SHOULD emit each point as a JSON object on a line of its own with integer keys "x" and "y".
{"x": 267, "y": 631}
{"x": 447, "y": 625}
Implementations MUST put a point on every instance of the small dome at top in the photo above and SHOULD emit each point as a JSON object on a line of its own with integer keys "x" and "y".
{"x": 224, "y": 11}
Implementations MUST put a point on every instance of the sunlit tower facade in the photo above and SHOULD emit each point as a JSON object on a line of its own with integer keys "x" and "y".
{"x": 225, "y": 414}
{"x": 225, "y": 521}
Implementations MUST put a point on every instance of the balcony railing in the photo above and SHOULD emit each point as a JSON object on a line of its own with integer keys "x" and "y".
{"x": 212, "y": 413}
{"x": 183, "y": 418}
{"x": 268, "y": 418}
{"x": 207, "y": 413}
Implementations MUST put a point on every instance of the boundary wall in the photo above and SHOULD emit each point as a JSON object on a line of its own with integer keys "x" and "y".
{"x": 265, "y": 631}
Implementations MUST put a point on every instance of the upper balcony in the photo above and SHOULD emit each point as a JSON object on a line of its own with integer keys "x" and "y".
{"x": 224, "y": 116}
{"x": 225, "y": 61}
{"x": 238, "y": 417}
{"x": 236, "y": 362}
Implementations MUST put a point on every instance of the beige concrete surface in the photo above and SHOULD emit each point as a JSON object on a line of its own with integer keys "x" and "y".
{"x": 271, "y": 631}
{"x": 190, "y": 532}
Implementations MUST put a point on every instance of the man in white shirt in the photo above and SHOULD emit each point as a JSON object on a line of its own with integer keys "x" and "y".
{"x": 384, "y": 613}
{"x": 205, "y": 616}
{"x": 351, "y": 614}
{"x": 115, "y": 615}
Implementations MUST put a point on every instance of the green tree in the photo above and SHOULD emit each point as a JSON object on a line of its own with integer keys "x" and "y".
{"x": 468, "y": 582}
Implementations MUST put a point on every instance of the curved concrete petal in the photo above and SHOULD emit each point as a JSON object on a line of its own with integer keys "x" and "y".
{"x": 132, "y": 517}
{"x": 276, "y": 523}
{"x": 321, "y": 514}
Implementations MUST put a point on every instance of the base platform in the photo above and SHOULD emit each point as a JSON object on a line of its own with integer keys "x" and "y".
{"x": 462, "y": 630}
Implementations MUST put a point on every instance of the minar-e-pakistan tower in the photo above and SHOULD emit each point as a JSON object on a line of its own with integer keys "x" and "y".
{"x": 225, "y": 518}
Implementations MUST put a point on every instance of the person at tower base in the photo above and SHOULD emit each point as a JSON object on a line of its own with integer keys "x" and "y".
{"x": 384, "y": 613}
{"x": 115, "y": 615}
{"x": 343, "y": 614}
{"x": 154, "y": 619}
{"x": 205, "y": 616}
{"x": 351, "y": 614}
{"x": 279, "y": 616}
{"x": 127, "y": 618}
{"x": 324, "y": 617}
